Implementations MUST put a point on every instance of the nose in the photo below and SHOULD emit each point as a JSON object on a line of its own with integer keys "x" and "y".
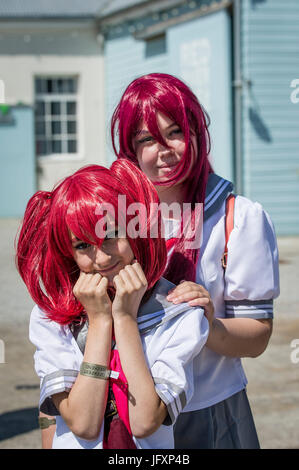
{"x": 102, "y": 259}
{"x": 165, "y": 150}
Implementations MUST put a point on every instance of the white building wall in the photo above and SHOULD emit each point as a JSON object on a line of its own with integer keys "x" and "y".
{"x": 60, "y": 49}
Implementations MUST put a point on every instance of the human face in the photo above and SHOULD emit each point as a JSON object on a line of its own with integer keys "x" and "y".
{"x": 113, "y": 255}
{"x": 156, "y": 160}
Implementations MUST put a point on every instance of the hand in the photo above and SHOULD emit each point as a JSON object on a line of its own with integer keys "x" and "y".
{"x": 130, "y": 285}
{"x": 91, "y": 291}
{"x": 195, "y": 295}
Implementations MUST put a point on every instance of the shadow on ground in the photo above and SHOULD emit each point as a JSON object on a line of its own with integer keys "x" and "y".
{"x": 18, "y": 422}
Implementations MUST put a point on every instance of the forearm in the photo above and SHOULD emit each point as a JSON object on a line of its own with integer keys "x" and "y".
{"x": 239, "y": 337}
{"x": 146, "y": 410}
{"x": 84, "y": 407}
{"x": 47, "y": 433}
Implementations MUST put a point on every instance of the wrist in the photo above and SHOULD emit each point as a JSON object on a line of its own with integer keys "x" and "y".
{"x": 122, "y": 318}
{"x": 100, "y": 321}
{"x": 96, "y": 371}
{"x": 212, "y": 328}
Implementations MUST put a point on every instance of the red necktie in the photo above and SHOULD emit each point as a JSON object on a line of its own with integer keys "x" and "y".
{"x": 117, "y": 431}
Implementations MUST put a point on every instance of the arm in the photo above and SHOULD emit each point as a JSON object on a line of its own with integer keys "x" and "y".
{"x": 196, "y": 295}
{"x": 239, "y": 337}
{"x": 47, "y": 434}
{"x": 84, "y": 406}
{"x": 235, "y": 337}
{"x": 251, "y": 282}
{"x": 146, "y": 410}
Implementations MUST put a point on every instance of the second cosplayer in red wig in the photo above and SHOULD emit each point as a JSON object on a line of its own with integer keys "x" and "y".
{"x": 141, "y": 101}
{"x": 158, "y": 92}
{"x": 44, "y": 254}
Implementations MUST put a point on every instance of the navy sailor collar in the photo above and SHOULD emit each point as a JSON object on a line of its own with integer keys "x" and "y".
{"x": 157, "y": 309}
{"x": 217, "y": 191}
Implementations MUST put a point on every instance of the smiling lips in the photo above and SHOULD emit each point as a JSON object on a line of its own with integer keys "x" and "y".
{"x": 168, "y": 165}
{"x": 105, "y": 271}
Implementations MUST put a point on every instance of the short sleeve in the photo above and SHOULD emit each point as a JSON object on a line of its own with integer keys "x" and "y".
{"x": 56, "y": 361}
{"x": 252, "y": 273}
{"x": 178, "y": 342}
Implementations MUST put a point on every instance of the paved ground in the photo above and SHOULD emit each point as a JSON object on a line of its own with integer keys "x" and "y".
{"x": 273, "y": 377}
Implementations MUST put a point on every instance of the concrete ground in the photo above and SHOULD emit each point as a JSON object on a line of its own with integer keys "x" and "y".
{"x": 273, "y": 377}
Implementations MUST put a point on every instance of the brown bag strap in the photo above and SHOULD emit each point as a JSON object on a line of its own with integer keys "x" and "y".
{"x": 229, "y": 225}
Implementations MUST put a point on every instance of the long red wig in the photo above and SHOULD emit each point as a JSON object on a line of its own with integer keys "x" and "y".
{"x": 44, "y": 254}
{"x": 141, "y": 101}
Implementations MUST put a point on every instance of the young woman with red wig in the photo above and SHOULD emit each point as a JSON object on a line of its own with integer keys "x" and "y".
{"x": 114, "y": 357}
{"x": 160, "y": 125}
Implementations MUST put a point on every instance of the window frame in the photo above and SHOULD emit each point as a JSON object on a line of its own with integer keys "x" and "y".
{"x": 47, "y": 98}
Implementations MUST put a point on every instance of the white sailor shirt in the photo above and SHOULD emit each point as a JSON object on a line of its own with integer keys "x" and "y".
{"x": 171, "y": 337}
{"x": 245, "y": 289}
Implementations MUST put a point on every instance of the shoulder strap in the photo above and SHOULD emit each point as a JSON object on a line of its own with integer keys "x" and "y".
{"x": 229, "y": 225}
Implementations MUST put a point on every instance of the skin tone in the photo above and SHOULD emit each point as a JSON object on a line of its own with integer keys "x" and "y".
{"x": 196, "y": 296}
{"x": 157, "y": 161}
{"x": 84, "y": 406}
{"x": 48, "y": 433}
{"x": 235, "y": 337}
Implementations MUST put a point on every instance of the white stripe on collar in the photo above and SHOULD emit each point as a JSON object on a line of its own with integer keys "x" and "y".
{"x": 223, "y": 186}
{"x": 217, "y": 191}
{"x": 165, "y": 316}
{"x": 158, "y": 310}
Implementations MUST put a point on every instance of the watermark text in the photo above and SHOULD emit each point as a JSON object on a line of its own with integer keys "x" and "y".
{"x": 295, "y": 93}
{"x": 294, "y": 356}
{"x": 2, "y": 351}
{"x": 137, "y": 220}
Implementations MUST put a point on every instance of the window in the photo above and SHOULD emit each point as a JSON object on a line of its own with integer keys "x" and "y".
{"x": 56, "y": 116}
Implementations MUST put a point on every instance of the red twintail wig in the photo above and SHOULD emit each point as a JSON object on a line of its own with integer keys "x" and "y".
{"x": 44, "y": 254}
{"x": 141, "y": 101}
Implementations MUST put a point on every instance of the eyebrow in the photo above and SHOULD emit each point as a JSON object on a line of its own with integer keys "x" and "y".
{"x": 110, "y": 230}
{"x": 138, "y": 133}
{"x": 146, "y": 131}
{"x": 171, "y": 125}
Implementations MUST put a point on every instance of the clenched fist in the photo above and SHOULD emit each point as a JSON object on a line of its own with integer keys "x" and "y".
{"x": 91, "y": 291}
{"x": 130, "y": 286}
